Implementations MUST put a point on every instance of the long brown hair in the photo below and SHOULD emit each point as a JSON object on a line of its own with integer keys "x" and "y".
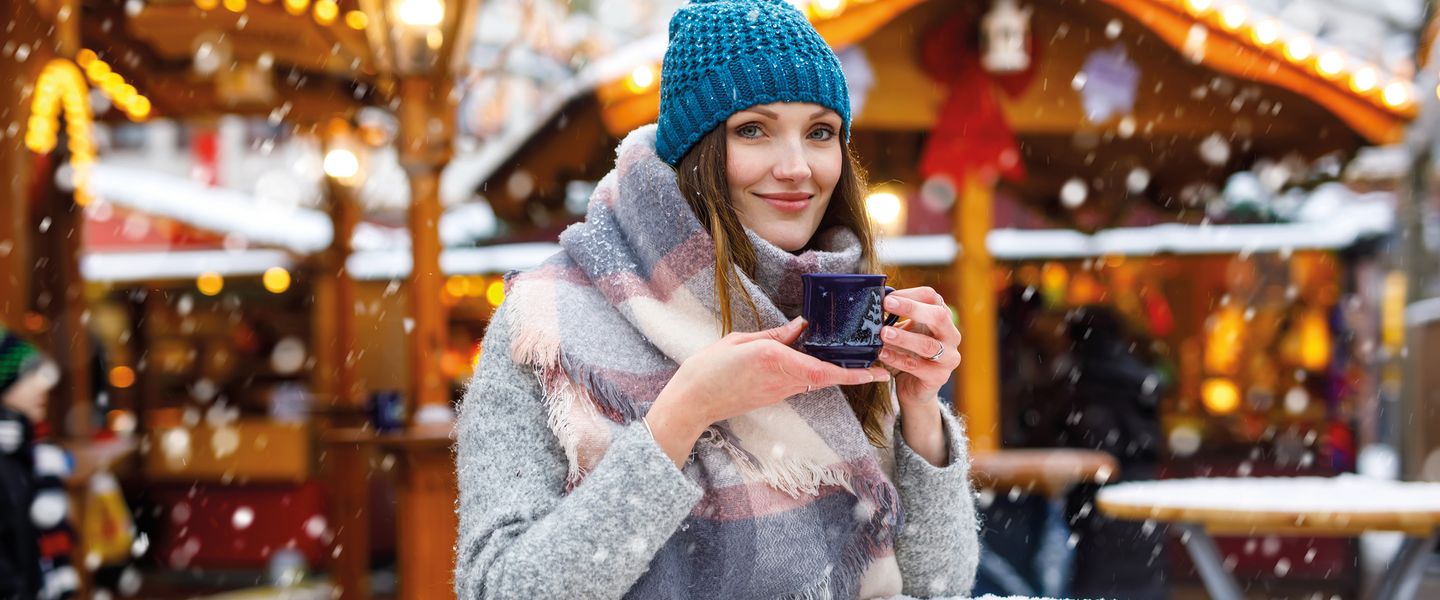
{"x": 702, "y": 179}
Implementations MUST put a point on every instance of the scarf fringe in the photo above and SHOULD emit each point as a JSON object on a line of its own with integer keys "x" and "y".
{"x": 795, "y": 478}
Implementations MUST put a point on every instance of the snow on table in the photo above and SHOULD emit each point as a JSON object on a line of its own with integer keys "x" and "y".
{"x": 1343, "y": 504}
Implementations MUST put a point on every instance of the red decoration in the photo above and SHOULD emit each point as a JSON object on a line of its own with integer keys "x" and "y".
{"x": 970, "y": 133}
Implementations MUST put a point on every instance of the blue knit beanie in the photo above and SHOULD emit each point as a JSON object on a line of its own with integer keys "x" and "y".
{"x": 725, "y": 56}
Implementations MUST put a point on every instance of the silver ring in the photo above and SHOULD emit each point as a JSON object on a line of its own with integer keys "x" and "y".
{"x": 937, "y": 354}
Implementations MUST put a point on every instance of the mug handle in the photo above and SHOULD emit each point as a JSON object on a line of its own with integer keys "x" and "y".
{"x": 890, "y": 320}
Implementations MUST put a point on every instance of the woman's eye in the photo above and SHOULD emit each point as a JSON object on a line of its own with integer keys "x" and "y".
{"x": 748, "y": 131}
{"x": 822, "y": 134}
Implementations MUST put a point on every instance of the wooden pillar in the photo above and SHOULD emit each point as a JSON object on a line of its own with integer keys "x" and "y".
{"x": 426, "y": 128}
{"x": 59, "y": 296}
{"x": 344, "y": 215}
{"x": 427, "y": 495}
{"x": 347, "y": 463}
{"x": 16, "y": 167}
{"x": 973, "y": 271}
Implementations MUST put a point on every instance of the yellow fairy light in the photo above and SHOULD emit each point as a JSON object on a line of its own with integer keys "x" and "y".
{"x": 84, "y": 57}
{"x": 495, "y": 292}
{"x": 1364, "y": 80}
{"x": 96, "y": 71}
{"x": 207, "y": 4}
{"x": 326, "y": 11}
{"x": 357, "y": 20}
{"x": 825, "y": 9}
{"x": 641, "y": 79}
{"x": 1233, "y": 16}
{"x": 139, "y": 109}
{"x": 235, "y": 5}
{"x": 61, "y": 86}
{"x": 1298, "y": 49}
{"x": 1223, "y": 341}
{"x": 455, "y": 286}
{"x": 475, "y": 287}
{"x": 1266, "y": 32}
{"x": 1330, "y": 63}
{"x": 276, "y": 280}
{"x": 1220, "y": 395}
{"x": 210, "y": 283}
{"x": 297, "y": 7}
{"x": 1397, "y": 94}
{"x": 1198, "y": 7}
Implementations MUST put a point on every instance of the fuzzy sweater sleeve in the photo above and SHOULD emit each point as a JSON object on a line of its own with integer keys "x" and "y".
{"x": 939, "y": 547}
{"x": 520, "y": 535}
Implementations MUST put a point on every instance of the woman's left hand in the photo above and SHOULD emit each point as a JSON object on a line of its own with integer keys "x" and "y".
{"x": 921, "y": 350}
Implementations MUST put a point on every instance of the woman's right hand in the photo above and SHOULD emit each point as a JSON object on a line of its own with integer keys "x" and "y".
{"x": 737, "y": 374}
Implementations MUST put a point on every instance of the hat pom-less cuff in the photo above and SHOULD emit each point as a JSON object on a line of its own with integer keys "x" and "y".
{"x": 740, "y": 84}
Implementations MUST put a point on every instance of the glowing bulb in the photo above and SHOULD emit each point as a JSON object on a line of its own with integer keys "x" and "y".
{"x": 1397, "y": 94}
{"x": 326, "y": 11}
{"x": 1265, "y": 33}
{"x": 341, "y": 163}
{"x": 122, "y": 377}
{"x": 1330, "y": 63}
{"x": 296, "y": 7}
{"x": 456, "y": 285}
{"x": 1364, "y": 80}
{"x": 84, "y": 57}
{"x": 826, "y": 9}
{"x": 210, "y": 283}
{"x": 276, "y": 280}
{"x": 1220, "y": 395}
{"x": 883, "y": 208}
{"x": 356, "y": 20}
{"x": 1198, "y": 7}
{"x": 207, "y": 4}
{"x": 1298, "y": 49}
{"x": 1233, "y": 16}
{"x": 495, "y": 292}
{"x": 234, "y": 5}
{"x": 421, "y": 13}
{"x": 641, "y": 79}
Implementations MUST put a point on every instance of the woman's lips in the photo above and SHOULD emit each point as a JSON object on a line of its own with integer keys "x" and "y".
{"x": 787, "y": 201}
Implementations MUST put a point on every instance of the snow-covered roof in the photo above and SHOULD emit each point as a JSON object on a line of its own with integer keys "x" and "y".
{"x": 125, "y": 267}
{"x": 229, "y": 212}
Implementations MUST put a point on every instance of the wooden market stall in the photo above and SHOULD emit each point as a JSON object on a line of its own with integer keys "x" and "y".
{"x": 308, "y": 67}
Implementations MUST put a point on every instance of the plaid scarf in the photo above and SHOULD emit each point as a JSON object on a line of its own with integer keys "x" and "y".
{"x": 796, "y": 504}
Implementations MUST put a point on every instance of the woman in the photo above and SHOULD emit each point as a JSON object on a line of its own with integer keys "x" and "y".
{"x": 640, "y": 425}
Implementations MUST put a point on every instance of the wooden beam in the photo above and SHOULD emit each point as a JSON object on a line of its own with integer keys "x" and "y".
{"x": 424, "y": 150}
{"x": 973, "y": 271}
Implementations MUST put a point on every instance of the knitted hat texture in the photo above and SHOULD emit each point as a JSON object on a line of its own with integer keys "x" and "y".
{"x": 17, "y": 357}
{"x": 725, "y": 56}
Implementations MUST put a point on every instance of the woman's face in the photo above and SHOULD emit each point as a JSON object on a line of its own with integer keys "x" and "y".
{"x": 783, "y": 162}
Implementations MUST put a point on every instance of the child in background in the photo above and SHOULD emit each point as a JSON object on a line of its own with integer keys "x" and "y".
{"x": 35, "y": 534}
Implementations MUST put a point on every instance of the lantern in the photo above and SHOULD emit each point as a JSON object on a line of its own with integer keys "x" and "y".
{"x": 1006, "y": 30}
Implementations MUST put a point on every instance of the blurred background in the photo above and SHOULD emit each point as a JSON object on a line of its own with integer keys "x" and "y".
{"x": 262, "y": 240}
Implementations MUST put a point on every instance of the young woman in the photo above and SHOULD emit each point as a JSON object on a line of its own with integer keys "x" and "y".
{"x": 640, "y": 424}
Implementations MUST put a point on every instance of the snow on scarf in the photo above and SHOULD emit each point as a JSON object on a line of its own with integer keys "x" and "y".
{"x": 796, "y": 503}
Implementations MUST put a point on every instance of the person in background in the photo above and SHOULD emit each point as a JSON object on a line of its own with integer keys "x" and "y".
{"x": 35, "y": 533}
{"x": 1116, "y": 395}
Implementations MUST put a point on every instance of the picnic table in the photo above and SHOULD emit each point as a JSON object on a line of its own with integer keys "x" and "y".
{"x": 1047, "y": 472}
{"x": 1341, "y": 506}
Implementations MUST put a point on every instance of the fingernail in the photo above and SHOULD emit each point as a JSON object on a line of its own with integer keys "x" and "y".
{"x": 797, "y": 321}
{"x": 889, "y": 333}
{"x": 884, "y": 376}
{"x": 892, "y": 303}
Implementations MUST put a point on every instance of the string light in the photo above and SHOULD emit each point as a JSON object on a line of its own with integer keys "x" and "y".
{"x": 210, "y": 283}
{"x": 1397, "y": 94}
{"x": 1298, "y": 49}
{"x": 1198, "y": 7}
{"x": 276, "y": 280}
{"x": 641, "y": 79}
{"x": 326, "y": 11}
{"x": 357, "y": 20}
{"x": 1233, "y": 16}
{"x": 1364, "y": 80}
{"x": 235, "y": 5}
{"x": 1266, "y": 32}
{"x": 827, "y": 9}
{"x": 297, "y": 7}
{"x": 1330, "y": 63}
{"x": 61, "y": 88}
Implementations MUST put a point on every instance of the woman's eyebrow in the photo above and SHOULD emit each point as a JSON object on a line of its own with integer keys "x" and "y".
{"x": 823, "y": 112}
{"x": 764, "y": 112}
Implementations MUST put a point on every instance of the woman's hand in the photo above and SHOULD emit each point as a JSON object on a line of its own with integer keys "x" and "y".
{"x": 738, "y": 374}
{"x": 923, "y": 352}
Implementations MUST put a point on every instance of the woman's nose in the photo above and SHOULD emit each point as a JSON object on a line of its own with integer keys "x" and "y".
{"x": 792, "y": 165}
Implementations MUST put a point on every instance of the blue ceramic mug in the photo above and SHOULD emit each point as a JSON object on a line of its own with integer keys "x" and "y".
{"x": 844, "y": 313}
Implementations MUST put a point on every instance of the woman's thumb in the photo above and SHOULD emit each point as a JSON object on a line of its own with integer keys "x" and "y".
{"x": 787, "y": 333}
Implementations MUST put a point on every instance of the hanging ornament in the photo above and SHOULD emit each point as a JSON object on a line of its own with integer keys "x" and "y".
{"x": 1107, "y": 83}
{"x": 1006, "y": 34}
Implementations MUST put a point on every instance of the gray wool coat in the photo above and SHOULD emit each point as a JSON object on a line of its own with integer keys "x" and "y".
{"x": 522, "y": 536}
